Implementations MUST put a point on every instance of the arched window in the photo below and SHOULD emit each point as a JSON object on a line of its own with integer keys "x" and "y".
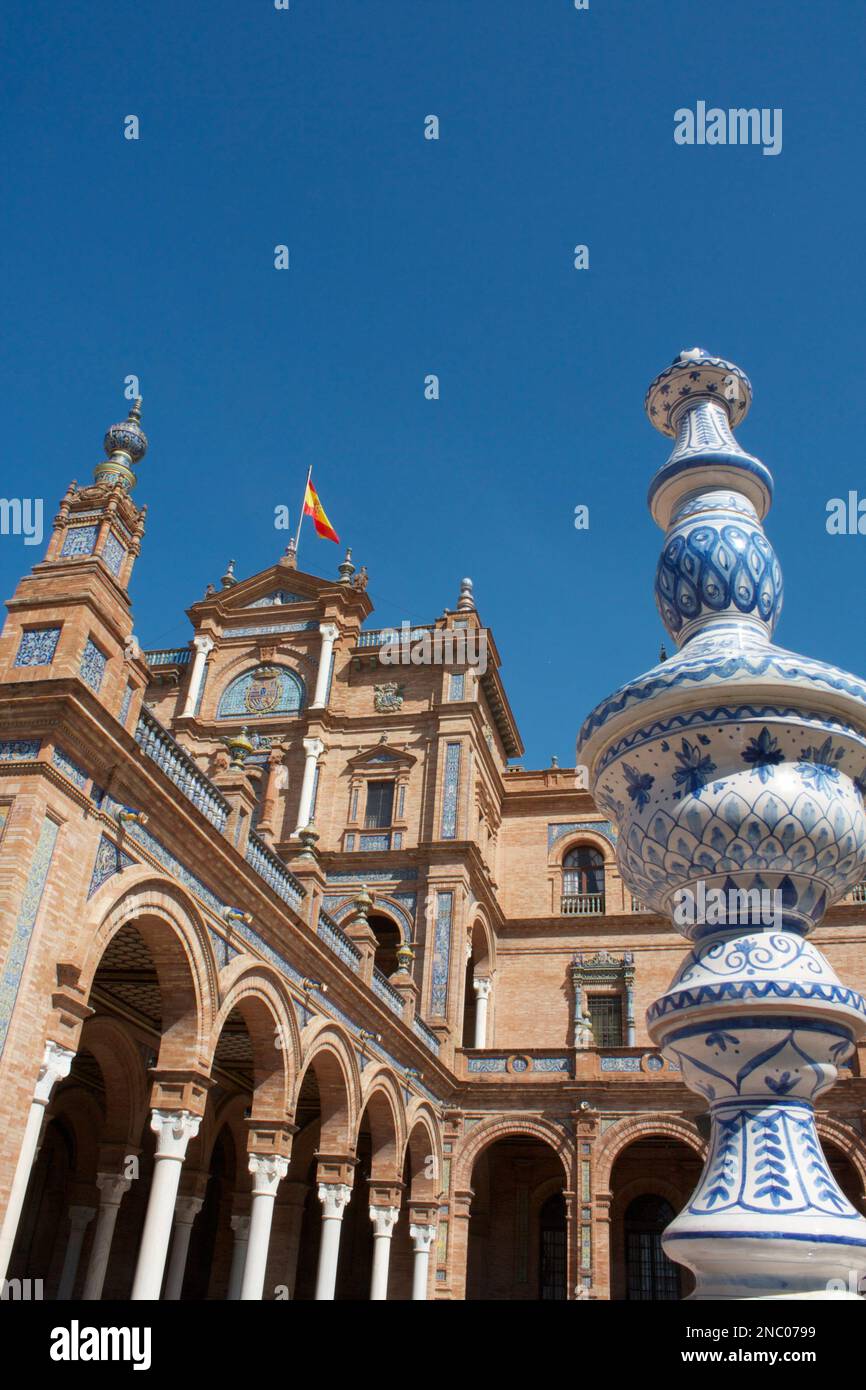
{"x": 583, "y": 882}
{"x": 650, "y": 1275}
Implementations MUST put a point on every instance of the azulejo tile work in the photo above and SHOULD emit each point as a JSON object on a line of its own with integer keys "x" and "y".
{"x": 37, "y": 646}
{"x": 767, "y": 796}
{"x": 271, "y": 690}
{"x": 16, "y": 957}
{"x": 93, "y": 664}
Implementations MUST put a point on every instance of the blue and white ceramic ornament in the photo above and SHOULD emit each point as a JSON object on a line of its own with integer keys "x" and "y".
{"x": 736, "y": 772}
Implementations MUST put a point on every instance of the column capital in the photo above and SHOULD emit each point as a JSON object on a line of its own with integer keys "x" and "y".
{"x": 268, "y": 1171}
{"x": 313, "y": 747}
{"x": 173, "y": 1130}
{"x": 112, "y": 1188}
{"x": 56, "y": 1064}
{"x": 334, "y": 1197}
{"x": 422, "y": 1238}
{"x": 186, "y": 1209}
{"x": 240, "y": 1225}
{"x": 330, "y": 632}
{"x": 203, "y": 644}
{"x": 384, "y": 1220}
{"x": 482, "y": 984}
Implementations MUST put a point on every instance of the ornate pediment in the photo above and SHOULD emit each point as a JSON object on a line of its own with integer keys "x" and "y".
{"x": 383, "y": 755}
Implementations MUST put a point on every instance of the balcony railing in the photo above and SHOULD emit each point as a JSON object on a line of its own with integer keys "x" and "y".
{"x": 334, "y": 937}
{"x": 638, "y": 906}
{"x": 390, "y": 996}
{"x": 582, "y": 905}
{"x": 174, "y": 656}
{"x": 158, "y": 745}
{"x": 858, "y": 893}
{"x": 272, "y": 869}
{"x": 427, "y": 1036}
{"x": 378, "y": 637}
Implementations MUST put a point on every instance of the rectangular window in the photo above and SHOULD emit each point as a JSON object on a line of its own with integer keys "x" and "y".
{"x": 605, "y": 1010}
{"x": 380, "y": 805}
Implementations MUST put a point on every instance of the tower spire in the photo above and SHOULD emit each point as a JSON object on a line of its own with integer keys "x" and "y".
{"x": 125, "y": 445}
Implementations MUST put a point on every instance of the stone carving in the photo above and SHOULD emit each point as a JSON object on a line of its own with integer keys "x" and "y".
{"x": 388, "y": 697}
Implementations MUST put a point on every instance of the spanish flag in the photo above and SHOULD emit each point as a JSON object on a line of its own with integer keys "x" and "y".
{"x": 314, "y": 508}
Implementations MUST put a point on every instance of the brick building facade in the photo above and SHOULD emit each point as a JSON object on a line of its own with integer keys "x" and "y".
{"x": 308, "y": 992}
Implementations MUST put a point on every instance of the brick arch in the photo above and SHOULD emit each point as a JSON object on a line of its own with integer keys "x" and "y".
{"x": 382, "y": 1103}
{"x": 580, "y": 836}
{"x": 847, "y": 1141}
{"x": 626, "y": 1132}
{"x": 329, "y": 1052}
{"x": 126, "y": 1088}
{"x": 229, "y": 1116}
{"x": 82, "y": 1115}
{"x": 173, "y": 930}
{"x": 257, "y": 992}
{"x": 423, "y": 1141}
{"x": 503, "y": 1127}
{"x": 479, "y": 922}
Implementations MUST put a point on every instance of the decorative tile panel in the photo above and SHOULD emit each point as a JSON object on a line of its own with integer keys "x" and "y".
{"x": 441, "y": 953}
{"x": 93, "y": 663}
{"x": 375, "y": 843}
{"x": 620, "y": 1063}
{"x": 278, "y": 597}
{"x": 399, "y": 875}
{"x": 37, "y": 646}
{"x": 19, "y": 750}
{"x": 456, "y": 685}
{"x": 113, "y": 553}
{"x": 13, "y": 966}
{"x": 69, "y": 768}
{"x": 601, "y": 827}
{"x": 110, "y": 860}
{"x": 277, "y": 690}
{"x": 79, "y": 540}
{"x": 124, "y": 704}
{"x": 264, "y": 631}
{"x": 450, "y": 791}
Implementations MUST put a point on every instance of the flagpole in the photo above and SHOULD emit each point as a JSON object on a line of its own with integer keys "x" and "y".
{"x": 301, "y": 514}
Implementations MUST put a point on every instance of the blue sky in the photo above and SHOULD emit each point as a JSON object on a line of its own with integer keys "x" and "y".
{"x": 453, "y": 257}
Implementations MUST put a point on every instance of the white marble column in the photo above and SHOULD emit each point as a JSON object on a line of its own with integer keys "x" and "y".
{"x": 186, "y": 1209}
{"x": 268, "y": 1171}
{"x": 112, "y": 1188}
{"x": 334, "y": 1198}
{"x": 482, "y": 987}
{"x": 203, "y": 647}
{"x": 173, "y": 1130}
{"x": 329, "y": 636}
{"x": 384, "y": 1220}
{"x": 56, "y": 1061}
{"x": 80, "y": 1218}
{"x": 422, "y": 1240}
{"x": 241, "y": 1227}
{"x": 313, "y": 750}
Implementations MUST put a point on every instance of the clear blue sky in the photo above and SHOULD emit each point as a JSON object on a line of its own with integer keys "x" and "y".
{"x": 409, "y": 257}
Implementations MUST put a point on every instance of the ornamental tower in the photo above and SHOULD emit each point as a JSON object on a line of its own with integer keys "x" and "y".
{"x": 70, "y": 617}
{"x": 736, "y": 773}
